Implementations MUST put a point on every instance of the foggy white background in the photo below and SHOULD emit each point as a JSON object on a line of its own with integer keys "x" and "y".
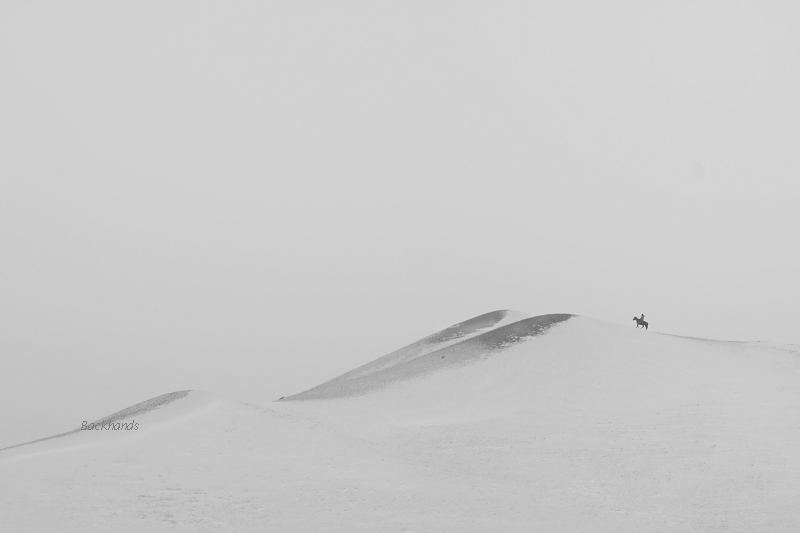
{"x": 254, "y": 197}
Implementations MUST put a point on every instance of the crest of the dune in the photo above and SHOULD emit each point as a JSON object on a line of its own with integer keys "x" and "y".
{"x": 457, "y": 345}
{"x": 436, "y": 341}
{"x": 121, "y": 416}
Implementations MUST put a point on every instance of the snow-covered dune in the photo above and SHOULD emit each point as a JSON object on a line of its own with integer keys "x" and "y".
{"x": 455, "y": 345}
{"x": 122, "y": 416}
{"x": 554, "y": 423}
{"x": 441, "y": 339}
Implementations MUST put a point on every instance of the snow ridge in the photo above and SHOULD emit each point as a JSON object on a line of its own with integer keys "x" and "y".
{"x": 455, "y": 346}
{"x": 129, "y": 412}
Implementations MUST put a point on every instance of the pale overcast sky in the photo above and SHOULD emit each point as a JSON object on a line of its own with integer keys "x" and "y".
{"x": 254, "y": 197}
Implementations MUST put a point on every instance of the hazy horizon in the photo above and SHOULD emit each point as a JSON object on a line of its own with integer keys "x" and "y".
{"x": 254, "y": 198}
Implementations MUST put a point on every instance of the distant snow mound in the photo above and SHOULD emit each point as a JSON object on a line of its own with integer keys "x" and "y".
{"x": 129, "y": 412}
{"x": 457, "y": 345}
{"x": 143, "y": 407}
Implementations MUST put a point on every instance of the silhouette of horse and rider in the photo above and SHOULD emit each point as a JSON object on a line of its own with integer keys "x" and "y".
{"x": 640, "y": 322}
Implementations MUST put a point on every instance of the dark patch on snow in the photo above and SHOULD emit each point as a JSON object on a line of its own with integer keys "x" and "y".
{"x": 517, "y": 332}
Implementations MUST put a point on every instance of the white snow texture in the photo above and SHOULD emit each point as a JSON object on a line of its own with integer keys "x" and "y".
{"x": 556, "y": 423}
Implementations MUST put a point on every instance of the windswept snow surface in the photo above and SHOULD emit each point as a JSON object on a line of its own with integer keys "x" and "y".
{"x": 463, "y": 343}
{"x": 126, "y": 414}
{"x": 456, "y": 333}
{"x": 586, "y": 426}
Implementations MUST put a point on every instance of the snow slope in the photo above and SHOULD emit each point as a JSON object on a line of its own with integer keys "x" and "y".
{"x": 441, "y": 339}
{"x": 578, "y": 425}
{"x": 463, "y": 343}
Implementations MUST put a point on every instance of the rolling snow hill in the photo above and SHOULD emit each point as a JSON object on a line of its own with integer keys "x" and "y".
{"x": 500, "y": 423}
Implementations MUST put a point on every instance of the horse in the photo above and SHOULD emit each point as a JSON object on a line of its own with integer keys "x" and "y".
{"x": 640, "y": 322}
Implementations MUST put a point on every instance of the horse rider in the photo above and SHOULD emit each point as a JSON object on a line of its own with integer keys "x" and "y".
{"x": 642, "y": 319}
